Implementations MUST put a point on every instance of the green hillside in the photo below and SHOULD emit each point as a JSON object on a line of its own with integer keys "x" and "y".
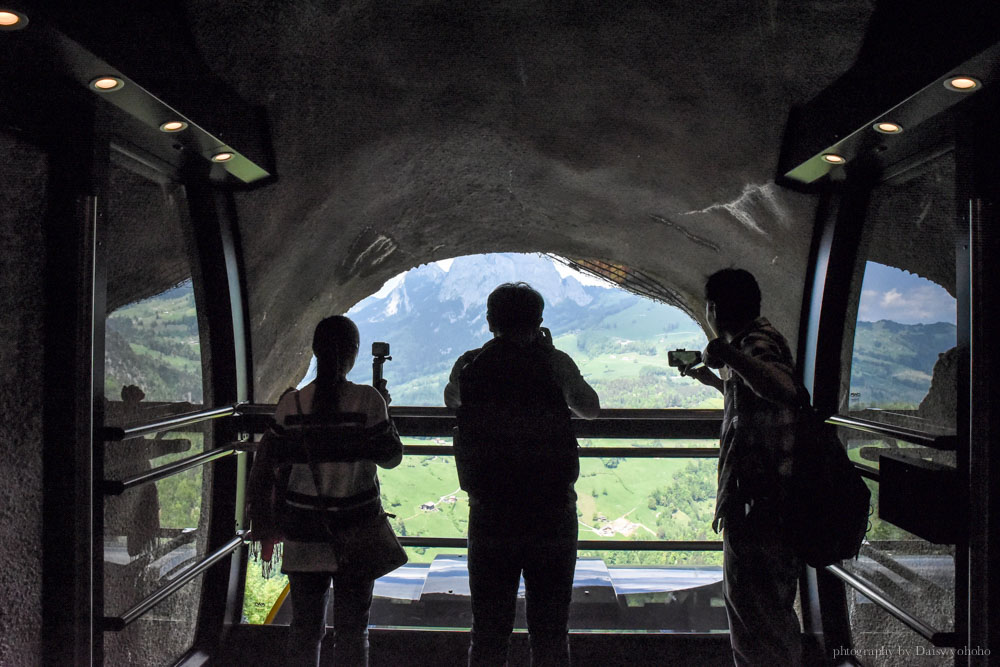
{"x": 154, "y": 345}
{"x": 893, "y": 363}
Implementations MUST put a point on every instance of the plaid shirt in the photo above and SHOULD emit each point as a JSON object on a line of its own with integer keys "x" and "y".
{"x": 757, "y": 434}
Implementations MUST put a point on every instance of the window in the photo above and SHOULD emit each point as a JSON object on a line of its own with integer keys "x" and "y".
{"x": 153, "y": 368}
{"x": 903, "y": 371}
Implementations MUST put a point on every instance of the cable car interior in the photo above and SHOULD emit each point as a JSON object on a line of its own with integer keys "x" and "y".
{"x": 227, "y": 174}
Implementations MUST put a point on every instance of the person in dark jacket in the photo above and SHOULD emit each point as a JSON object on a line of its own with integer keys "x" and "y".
{"x": 760, "y": 569}
{"x": 517, "y": 458}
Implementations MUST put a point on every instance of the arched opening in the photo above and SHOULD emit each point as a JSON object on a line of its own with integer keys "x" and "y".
{"x": 432, "y": 314}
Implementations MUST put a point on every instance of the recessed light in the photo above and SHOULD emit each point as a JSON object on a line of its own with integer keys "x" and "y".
{"x": 888, "y": 128}
{"x": 833, "y": 158}
{"x": 962, "y": 84}
{"x": 105, "y": 84}
{"x": 11, "y": 20}
{"x": 174, "y": 126}
{"x": 222, "y": 157}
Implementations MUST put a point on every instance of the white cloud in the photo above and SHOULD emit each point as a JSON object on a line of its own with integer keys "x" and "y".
{"x": 922, "y": 304}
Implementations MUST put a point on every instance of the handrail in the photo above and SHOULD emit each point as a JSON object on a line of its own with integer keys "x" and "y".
{"x": 591, "y": 545}
{"x": 117, "y": 433}
{"x": 119, "y": 623}
{"x": 113, "y": 487}
{"x": 671, "y": 414}
{"x": 868, "y": 471}
{"x": 943, "y": 639}
{"x": 593, "y": 452}
{"x": 611, "y": 423}
{"x": 940, "y": 442}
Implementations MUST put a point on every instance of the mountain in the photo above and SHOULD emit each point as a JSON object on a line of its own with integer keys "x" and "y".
{"x": 893, "y": 363}
{"x": 432, "y": 316}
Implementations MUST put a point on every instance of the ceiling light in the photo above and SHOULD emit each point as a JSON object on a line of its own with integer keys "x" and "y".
{"x": 888, "y": 128}
{"x": 105, "y": 84}
{"x": 833, "y": 158}
{"x": 962, "y": 84}
{"x": 173, "y": 126}
{"x": 11, "y": 20}
{"x": 222, "y": 157}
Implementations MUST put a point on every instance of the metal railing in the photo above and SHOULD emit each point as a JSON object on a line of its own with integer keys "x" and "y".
{"x": 115, "y": 487}
{"x": 440, "y": 422}
{"x": 119, "y": 623}
{"x": 426, "y": 422}
{"x": 118, "y": 433}
{"x": 940, "y": 442}
{"x": 935, "y": 637}
{"x": 581, "y": 545}
{"x": 673, "y": 424}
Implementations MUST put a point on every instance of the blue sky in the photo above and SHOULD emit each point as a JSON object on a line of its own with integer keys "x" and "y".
{"x": 891, "y": 294}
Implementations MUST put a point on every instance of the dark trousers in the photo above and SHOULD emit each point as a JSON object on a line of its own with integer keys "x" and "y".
{"x": 502, "y": 546}
{"x": 352, "y": 598}
{"x": 760, "y": 575}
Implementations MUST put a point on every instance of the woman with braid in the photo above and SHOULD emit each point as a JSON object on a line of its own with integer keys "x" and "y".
{"x": 312, "y": 566}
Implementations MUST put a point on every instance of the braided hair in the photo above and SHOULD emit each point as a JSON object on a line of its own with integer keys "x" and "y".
{"x": 335, "y": 342}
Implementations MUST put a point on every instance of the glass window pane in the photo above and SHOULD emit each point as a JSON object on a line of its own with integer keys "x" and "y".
{"x": 887, "y": 642}
{"x": 904, "y": 363}
{"x": 865, "y": 448}
{"x": 160, "y": 635}
{"x": 913, "y": 573}
{"x": 153, "y": 533}
{"x": 152, "y": 358}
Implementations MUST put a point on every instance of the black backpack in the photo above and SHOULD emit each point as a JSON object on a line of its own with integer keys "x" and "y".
{"x": 828, "y": 501}
{"x": 514, "y": 442}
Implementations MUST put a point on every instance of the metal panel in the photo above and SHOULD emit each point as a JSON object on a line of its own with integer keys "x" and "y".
{"x": 981, "y": 184}
{"x": 74, "y": 386}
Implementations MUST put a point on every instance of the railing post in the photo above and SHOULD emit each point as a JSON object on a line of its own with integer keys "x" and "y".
{"x": 219, "y": 278}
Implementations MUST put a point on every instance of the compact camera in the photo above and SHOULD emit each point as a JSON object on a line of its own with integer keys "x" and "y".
{"x": 380, "y": 349}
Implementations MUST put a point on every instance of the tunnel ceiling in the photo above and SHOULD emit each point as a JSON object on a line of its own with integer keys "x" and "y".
{"x": 642, "y": 133}
{"x": 645, "y": 133}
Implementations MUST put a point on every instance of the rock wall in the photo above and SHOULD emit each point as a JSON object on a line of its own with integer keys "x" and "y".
{"x": 22, "y": 207}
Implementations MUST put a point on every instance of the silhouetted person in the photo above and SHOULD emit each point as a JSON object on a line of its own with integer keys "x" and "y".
{"x": 760, "y": 569}
{"x": 517, "y": 458}
{"x": 311, "y": 566}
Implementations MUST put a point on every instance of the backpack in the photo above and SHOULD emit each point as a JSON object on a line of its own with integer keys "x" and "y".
{"x": 828, "y": 501}
{"x": 514, "y": 442}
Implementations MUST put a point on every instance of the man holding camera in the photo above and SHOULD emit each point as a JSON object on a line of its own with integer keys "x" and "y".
{"x": 517, "y": 458}
{"x": 760, "y": 568}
